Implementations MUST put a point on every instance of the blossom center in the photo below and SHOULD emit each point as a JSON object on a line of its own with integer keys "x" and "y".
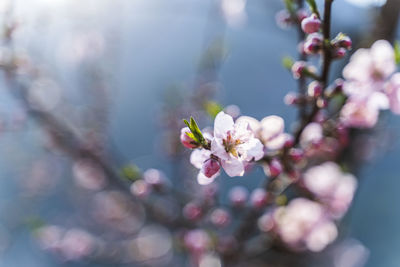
{"x": 230, "y": 144}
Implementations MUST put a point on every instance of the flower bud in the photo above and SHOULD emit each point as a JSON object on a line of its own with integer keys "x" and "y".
{"x": 339, "y": 52}
{"x": 343, "y": 41}
{"x": 274, "y": 168}
{"x": 296, "y": 154}
{"x": 298, "y": 69}
{"x": 313, "y": 43}
{"x": 186, "y": 140}
{"x": 156, "y": 179}
{"x": 238, "y": 196}
{"x": 289, "y": 142}
{"x": 301, "y": 14}
{"x": 259, "y": 198}
{"x": 314, "y": 89}
{"x": 283, "y": 19}
{"x": 140, "y": 189}
{"x": 210, "y": 167}
{"x": 311, "y": 24}
{"x": 192, "y": 211}
{"x": 220, "y": 217}
{"x": 322, "y": 103}
{"x": 291, "y": 99}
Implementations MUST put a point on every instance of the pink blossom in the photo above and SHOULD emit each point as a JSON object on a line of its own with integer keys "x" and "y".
{"x": 393, "y": 91}
{"x": 303, "y": 224}
{"x": 359, "y": 114}
{"x": 331, "y": 186}
{"x": 270, "y": 130}
{"x": 372, "y": 65}
{"x": 234, "y": 144}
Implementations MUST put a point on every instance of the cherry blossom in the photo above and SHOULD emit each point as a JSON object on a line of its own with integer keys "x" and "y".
{"x": 234, "y": 144}
{"x": 331, "y": 186}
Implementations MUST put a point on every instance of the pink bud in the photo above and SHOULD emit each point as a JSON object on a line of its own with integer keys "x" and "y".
{"x": 259, "y": 198}
{"x": 274, "y": 168}
{"x": 291, "y": 99}
{"x": 311, "y": 24}
{"x": 210, "y": 167}
{"x": 197, "y": 240}
{"x": 311, "y": 48}
{"x": 314, "y": 89}
{"x": 186, "y": 140}
{"x": 296, "y": 154}
{"x": 220, "y": 217}
{"x": 298, "y": 69}
{"x": 344, "y": 42}
{"x": 339, "y": 52}
{"x": 140, "y": 189}
{"x": 302, "y": 14}
{"x": 322, "y": 103}
{"x": 289, "y": 142}
{"x": 283, "y": 19}
{"x": 192, "y": 211}
{"x": 156, "y": 179}
{"x": 238, "y": 196}
{"x": 338, "y": 85}
{"x": 313, "y": 43}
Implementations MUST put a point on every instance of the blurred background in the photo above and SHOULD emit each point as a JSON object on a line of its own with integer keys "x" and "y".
{"x": 117, "y": 72}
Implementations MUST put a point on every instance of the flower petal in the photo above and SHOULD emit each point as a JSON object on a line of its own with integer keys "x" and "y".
{"x": 253, "y": 149}
{"x": 198, "y": 157}
{"x": 271, "y": 126}
{"x": 233, "y": 167}
{"x": 204, "y": 180}
{"x": 222, "y": 124}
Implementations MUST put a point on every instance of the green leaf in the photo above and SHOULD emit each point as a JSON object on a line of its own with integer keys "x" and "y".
{"x": 196, "y": 134}
{"x": 313, "y": 6}
{"x": 397, "y": 52}
{"x": 287, "y": 62}
{"x": 290, "y": 6}
{"x": 212, "y": 108}
{"x": 131, "y": 172}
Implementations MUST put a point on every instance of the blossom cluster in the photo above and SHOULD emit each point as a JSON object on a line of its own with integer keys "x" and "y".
{"x": 234, "y": 145}
{"x": 371, "y": 84}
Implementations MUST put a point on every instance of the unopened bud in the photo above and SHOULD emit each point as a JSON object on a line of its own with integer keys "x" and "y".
{"x": 314, "y": 89}
{"x": 192, "y": 211}
{"x": 274, "y": 168}
{"x": 140, "y": 189}
{"x": 220, "y": 217}
{"x": 296, "y": 154}
{"x": 311, "y": 24}
{"x": 259, "y": 198}
{"x": 339, "y": 52}
{"x": 210, "y": 167}
{"x": 238, "y": 196}
{"x": 186, "y": 140}
{"x": 298, "y": 69}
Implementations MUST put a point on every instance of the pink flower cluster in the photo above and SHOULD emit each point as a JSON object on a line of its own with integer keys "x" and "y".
{"x": 309, "y": 224}
{"x": 371, "y": 85}
{"x": 235, "y": 144}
